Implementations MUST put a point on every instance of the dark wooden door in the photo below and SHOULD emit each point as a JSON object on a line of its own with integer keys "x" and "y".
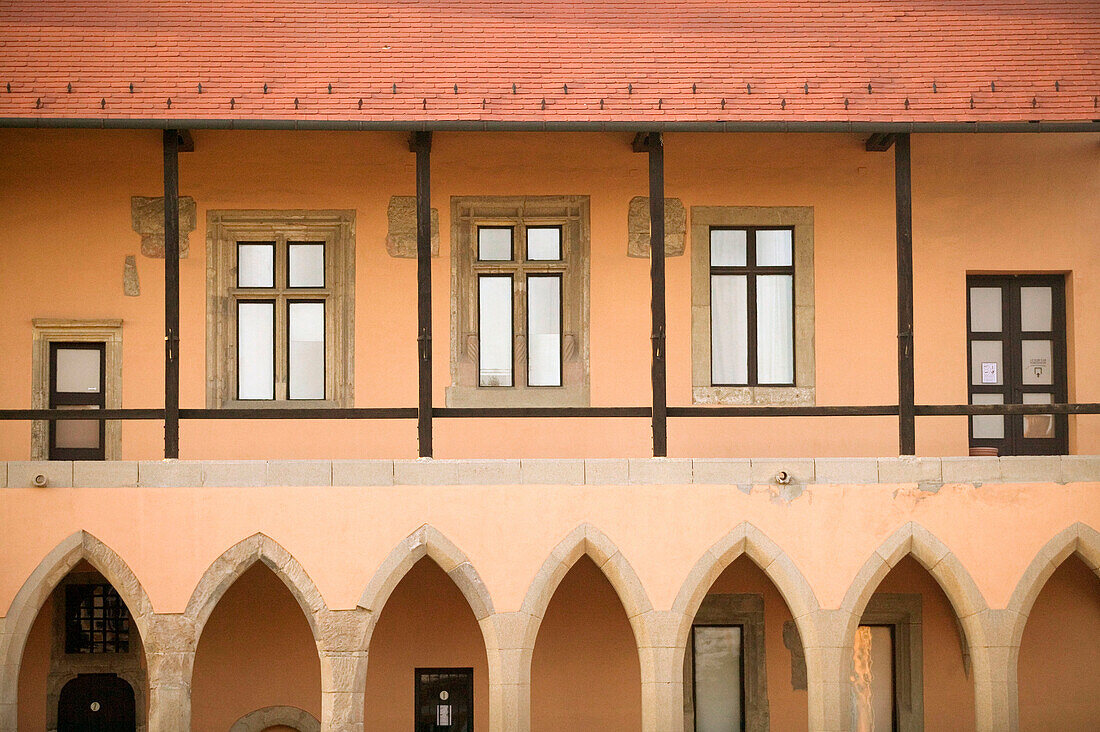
{"x": 96, "y": 703}
{"x": 1016, "y": 332}
{"x": 444, "y": 700}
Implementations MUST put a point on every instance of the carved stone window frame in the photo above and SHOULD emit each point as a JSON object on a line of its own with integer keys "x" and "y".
{"x": 224, "y": 229}
{"x": 802, "y": 219}
{"x": 902, "y": 612}
{"x": 70, "y": 330}
{"x": 746, "y": 610}
{"x": 467, "y": 214}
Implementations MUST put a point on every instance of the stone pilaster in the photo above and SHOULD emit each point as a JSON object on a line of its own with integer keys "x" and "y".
{"x": 342, "y": 637}
{"x": 170, "y": 653}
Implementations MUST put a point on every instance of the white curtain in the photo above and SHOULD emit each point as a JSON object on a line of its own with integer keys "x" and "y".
{"x": 775, "y": 329}
{"x": 729, "y": 329}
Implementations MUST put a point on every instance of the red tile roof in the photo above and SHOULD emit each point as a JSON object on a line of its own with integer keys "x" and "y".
{"x": 609, "y": 61}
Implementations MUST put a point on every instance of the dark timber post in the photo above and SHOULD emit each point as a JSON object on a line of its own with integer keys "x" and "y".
{"x": 903, "y": 190}
{"x": 171, "y": 295}
{"x": 657, "y": 283}
{"x": 421, "y": 144}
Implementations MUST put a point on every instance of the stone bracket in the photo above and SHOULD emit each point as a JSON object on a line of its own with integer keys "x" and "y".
{"x": 401, "y": 228}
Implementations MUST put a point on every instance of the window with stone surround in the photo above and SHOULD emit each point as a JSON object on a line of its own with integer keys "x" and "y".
{"x": 888, "y": 665}
{"x": 90, "y": 356}
{"x": 519, "y": 301}
{"x": 752, "y": 308}
{"x": 280, "y": 310}
{"x": 725, "y": 669}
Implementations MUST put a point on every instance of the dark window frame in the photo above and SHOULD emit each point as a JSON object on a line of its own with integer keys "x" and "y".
{"x": 324, "y": 345}
{"x": 510, "y": 276}
{"x": 896, "y": 661}
{"x": 559, "y": 276}
{"x": 274, "y": 263}
{"x": 237, "y": 302}
{"x": 115, "y": 619}
{"x": 1012, "y": 387}
{"x": 324, "y": 264}
{"x": 62, "y": 399}
{"x": 520, "y": 270}
{"x": 751, "y": 271}
{"x": 741, "y": 665}
{"x": 467, "y": 671}
{"x": 526, "y": 246}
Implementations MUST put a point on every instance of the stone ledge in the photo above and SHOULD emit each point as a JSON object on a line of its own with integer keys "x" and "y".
{"x": 923, "y": 471}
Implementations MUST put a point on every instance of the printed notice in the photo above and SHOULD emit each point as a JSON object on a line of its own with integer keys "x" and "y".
{"x": 989, "y": 372}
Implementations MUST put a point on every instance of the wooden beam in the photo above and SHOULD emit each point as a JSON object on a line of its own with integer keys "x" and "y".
{"x": 421, "y": 144}
{"x": 880, "y": 141}
{"x": 171, "y": 295}
{"x": 655, "y": 147}
{"x": 903, "y": 192}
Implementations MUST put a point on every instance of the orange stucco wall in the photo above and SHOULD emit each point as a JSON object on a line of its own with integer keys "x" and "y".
{"x": 981, "y": 203}
{"x": 584, "y": 671}
{"x": 1060, "y": 653}
{"x": 426, "y": 623}
{"x": 256, "y": 650}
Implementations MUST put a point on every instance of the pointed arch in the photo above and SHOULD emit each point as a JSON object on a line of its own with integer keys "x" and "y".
{"x": 1078, "y": 538}
{"x": 427, "y": 541}
{"x": 932, "y": 554}
{"x": 28, "y": 601}
{"x": 284, "y": 716}
{"x": 586, "y": 539}
{"x": 750, "y": 541}
{"x": 238, "y": 559}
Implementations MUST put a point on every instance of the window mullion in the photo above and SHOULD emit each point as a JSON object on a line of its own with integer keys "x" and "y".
{"x": 750, "y": 259}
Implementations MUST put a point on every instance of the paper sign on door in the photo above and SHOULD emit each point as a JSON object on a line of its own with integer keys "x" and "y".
{"x": 989, "y": 372}
{"x": 443, "y": 715}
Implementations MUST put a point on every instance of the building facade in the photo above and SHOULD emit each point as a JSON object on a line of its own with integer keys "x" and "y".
{"x": 409, "y": 418}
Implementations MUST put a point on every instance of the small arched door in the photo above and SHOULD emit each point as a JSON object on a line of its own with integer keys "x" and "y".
{"x": 96, "y": 703}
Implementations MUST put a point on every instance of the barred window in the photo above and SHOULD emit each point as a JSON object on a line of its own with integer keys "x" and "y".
{"x": 96, "y": 620}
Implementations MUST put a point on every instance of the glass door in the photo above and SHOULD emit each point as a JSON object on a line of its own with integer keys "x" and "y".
{"x": 1016, "y": 333}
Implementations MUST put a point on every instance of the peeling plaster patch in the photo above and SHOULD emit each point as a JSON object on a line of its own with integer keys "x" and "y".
{"x": 131, "y": 286}
{"x": 929, "y": 487}
{"x": 745, "y": 488}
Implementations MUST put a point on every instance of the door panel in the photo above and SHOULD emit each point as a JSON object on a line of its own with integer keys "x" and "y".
{"x": 444, "y": 700}
{"x": 1016, "y": 331}
{"x": 96, "y": 703}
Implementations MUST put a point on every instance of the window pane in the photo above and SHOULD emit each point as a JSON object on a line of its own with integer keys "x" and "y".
{"x": 544, "y": 331}
{"x": 255, "y": 350}
{"x": 775, "y": 329}
{"x": 717, "y": 659}
{"x": 307, "y": 350}
{"x": 728, "y": 247}
{"x": 985, "y": 363}
{"x": 78, "y": 370}
{"x": 729, "y": 329}
{"x": 1036, "y": 361}
{"x": 873, "y": 679}
{"x": 544, "y": 243}
{"x": 494, "y": 244}
{"x": 1035, "y": 308}
{"x": 985, "y": 309}
{"x": 495, "y": 330}
{"x": 256, "y": 265}
{"x": 987, "y": 426}
{"x": 78, "y": 433}
{"x": 306, "y": 264}
{"x": 1038, "y": 426}
{"x": 773, "y": 248}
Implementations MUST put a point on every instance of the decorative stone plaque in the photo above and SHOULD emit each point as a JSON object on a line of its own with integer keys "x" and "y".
{"x": 401, "y": 232}
{"x": 148, "y": 220}
{"x": 638, "y": 227}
